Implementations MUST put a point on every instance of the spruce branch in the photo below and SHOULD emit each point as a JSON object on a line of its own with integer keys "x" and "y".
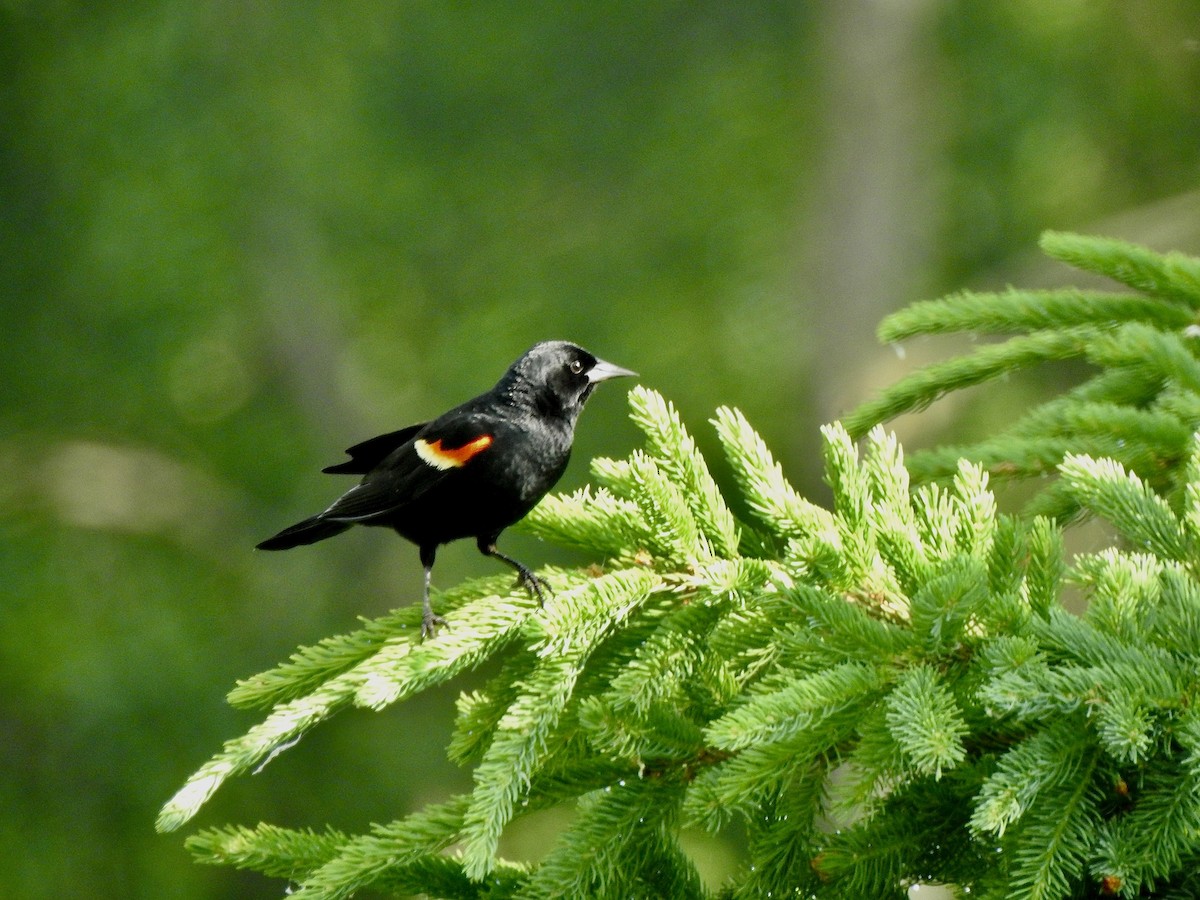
{"x": 1044, "y": 576}
{"x": 670, "y": 444}
{"x": 1191, "y": 494}
{"x": 1105, "y": 487}
{"x": 1172, "y": 275}
{"x": 409, "y": 664}
{"x": 778, "y": 714}
{"x": 767, "y": 492}
{"x": 826, "y": 629}
{"x": 1051, "y": 849}
{"x": 620, "y": 831}
{"x": 375, "y": 858}
{"x": 309, "y": 667}
{"x": 575, "y": 623}
{"x": 875, "y": 856}
{"x": 1145, "y": 849}
{"x": 900, "y": 665}
{"x": 1175, "y": 622}
{"x": 1159, "y": 354}
{"x": 782, "y": 840}
{"x": 926, "y": 722}
{"x": 1139, "y": 407}
{"x": 480, "y": 711}
{"x": 269, "y": 849}
{"x": 364, "y": 859}
{"x": 919, "y": 390}
{"x": 1016, "y": 311}
{"x": 593, "y": 521}
{"x": 673, "y": 656}
{"x": 1040, "y": 761}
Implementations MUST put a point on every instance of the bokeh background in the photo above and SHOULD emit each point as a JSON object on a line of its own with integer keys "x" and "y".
{"x": 237, "y": 237}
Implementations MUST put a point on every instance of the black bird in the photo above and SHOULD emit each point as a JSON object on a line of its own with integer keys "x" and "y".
{"x": 471, "y": 472}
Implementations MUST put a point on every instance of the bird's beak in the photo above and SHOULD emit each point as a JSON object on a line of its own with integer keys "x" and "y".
{"x": 602, "y": 371}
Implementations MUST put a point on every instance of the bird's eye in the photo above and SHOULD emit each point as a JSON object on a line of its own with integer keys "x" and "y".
{"x": 576, "y": 366}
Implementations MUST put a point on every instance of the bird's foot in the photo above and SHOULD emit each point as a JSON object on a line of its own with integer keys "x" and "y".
{"x": 537, "y": 587}
{"x": 430, "y": 623}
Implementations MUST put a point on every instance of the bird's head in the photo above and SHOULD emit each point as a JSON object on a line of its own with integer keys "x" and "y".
{"x": 555, "y": 378}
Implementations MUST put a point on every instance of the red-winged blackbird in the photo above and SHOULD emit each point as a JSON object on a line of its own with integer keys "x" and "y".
{"x": 471, "y": 472}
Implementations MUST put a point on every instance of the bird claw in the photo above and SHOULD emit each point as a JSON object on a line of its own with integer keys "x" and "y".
{"x": 537, "y": 587}
{"x": 429, "y": 625}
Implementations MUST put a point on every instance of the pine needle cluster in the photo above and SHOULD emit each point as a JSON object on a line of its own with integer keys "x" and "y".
{"x": 883, "y": 693}
{"x": 1140, "y": 405}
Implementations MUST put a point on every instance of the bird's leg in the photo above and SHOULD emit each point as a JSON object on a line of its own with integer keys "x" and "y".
{"x": 537, "y": 587}
{"x": 429, "y": 621}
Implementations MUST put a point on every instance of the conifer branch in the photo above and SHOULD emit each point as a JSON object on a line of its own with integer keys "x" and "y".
{"x": 269, "y": 849}
{"x": 574, "y": 624}
{"x": 1105, "y": 487}
{"x": 366, "y": 859}
{"x": 1015, "y": 311}
{"x": 778, "y": 714}
{"x": 1050, "y": 851}
{"x": 872, "y": 857}
{"x": 1044, "y": 576}
{"x": 396, "y": 669}
{"x": 620, "y": 831}
{"x": 901, "y": 664}
{"x": 1141, "y": 406}
{"x": 595, "y": 521}
{"x": 761, "y": 479}
{"x": 1157, "y": 839}
{"x": 668, "y": 441}
{"x": 1172, "y": 275}
{"x": 926, "y": 722}
{"x": 922, "y": 388}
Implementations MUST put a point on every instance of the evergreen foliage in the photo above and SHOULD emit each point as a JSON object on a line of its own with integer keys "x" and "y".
{"x": 1140, "y": 405}
{"x": 884, "y": 693}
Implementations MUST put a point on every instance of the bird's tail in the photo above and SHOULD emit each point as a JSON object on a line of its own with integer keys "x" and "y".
{"x": 307, "y": 532}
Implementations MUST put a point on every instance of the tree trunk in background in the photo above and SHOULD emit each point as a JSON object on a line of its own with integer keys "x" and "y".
{"x": 872, "y": 201}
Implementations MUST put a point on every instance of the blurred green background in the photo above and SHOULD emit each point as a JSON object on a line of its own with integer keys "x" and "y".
{"x": 236, "y": 238}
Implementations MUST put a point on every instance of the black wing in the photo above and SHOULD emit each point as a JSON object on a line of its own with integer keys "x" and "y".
{"x": 370, "y": 453}
{"x": 439, "y": 451}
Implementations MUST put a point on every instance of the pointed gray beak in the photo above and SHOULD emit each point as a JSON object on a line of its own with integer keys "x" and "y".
{"x": 602, "y": 371}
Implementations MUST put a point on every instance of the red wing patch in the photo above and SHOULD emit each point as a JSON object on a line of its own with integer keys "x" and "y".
{"x": 444, "y": 458}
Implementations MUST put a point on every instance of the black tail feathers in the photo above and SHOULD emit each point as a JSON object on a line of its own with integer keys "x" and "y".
{"x": 307, "y": 532}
